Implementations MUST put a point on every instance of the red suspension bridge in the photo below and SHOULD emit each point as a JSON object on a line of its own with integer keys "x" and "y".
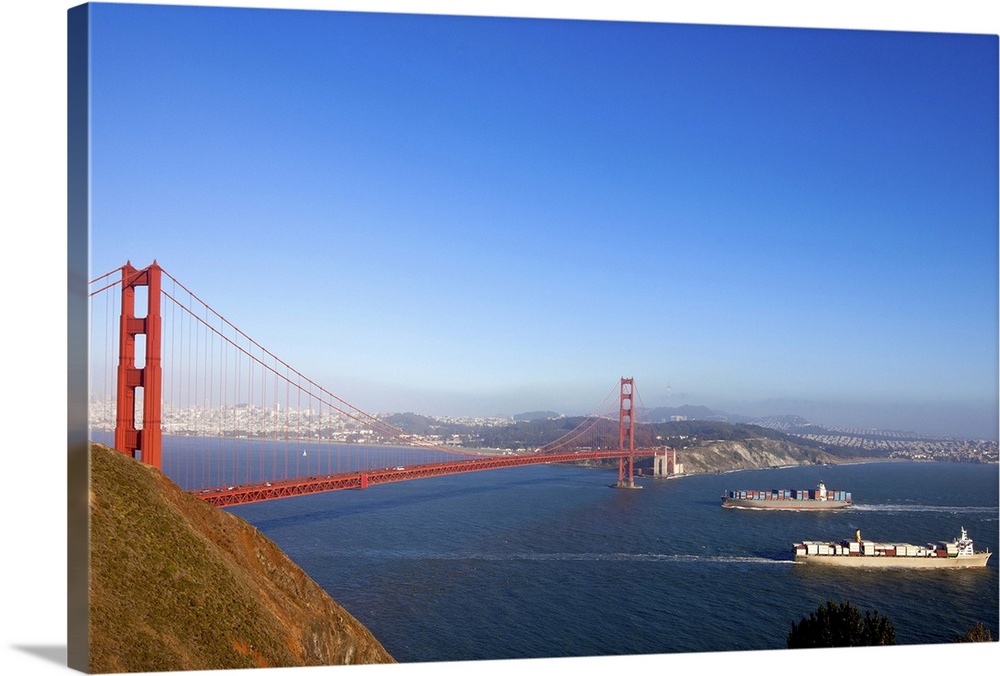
{"x": 184, "y": 390}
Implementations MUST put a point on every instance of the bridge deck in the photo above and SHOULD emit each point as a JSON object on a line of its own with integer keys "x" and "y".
{"x": 224, "y": 496}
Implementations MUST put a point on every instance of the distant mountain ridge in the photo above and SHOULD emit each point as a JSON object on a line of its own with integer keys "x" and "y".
{"x": 789, "y": 424}
{"x": 538, "y": 415}
{"x": 680, "y": 424}
{"x": 691, "y": 412}
{"x": 794, "y": 425}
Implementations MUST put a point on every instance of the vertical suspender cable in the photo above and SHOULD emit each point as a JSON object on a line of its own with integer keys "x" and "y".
{"x": 209, "y": 375}
{"x": 274, "y": 426}
{"x": 238, "y": 452}
{"x": 287, "y": 392}
{"x": 298, "y": 425}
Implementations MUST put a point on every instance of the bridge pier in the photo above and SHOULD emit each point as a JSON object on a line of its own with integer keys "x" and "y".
{"x": 626, "y": 484}
{"x": 666, "y": 465}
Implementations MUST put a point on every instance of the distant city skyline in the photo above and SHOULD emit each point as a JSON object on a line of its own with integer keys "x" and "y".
{"x": 485, "y": 216}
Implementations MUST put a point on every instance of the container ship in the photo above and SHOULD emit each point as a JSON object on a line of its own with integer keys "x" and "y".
{"x": 819, "y": 498}
{"x": 866, "y": 553}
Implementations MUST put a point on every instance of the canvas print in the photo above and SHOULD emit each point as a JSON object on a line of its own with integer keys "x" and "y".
{"x": 425, "y": 338}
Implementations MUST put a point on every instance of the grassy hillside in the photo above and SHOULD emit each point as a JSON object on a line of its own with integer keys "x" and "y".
{"x": 176, "y": 584}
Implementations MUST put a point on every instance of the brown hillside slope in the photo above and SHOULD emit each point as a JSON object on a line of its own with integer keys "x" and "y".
{"x": 176, "y": 584}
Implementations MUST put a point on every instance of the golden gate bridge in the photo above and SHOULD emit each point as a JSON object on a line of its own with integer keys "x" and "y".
{"x": 181, "y": 388}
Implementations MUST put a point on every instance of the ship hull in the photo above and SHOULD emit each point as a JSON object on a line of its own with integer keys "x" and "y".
{"x": 977, "y": 560}
{"x": 737, "y": 503}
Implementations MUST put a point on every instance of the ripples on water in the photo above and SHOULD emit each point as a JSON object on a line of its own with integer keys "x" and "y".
{"x": 943, "y": 509}
{"x": 548, "y": 561}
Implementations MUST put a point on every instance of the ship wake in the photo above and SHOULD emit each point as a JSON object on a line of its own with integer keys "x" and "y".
{"x": 623, "y": 557}
{"x": 938, "y": 509}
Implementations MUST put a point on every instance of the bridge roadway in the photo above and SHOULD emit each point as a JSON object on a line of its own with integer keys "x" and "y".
{"x": 224, "y": 496}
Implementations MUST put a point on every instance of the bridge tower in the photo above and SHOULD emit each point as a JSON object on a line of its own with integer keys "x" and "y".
{"x": 626, "y": 431}
{"x": 144, "y": 444}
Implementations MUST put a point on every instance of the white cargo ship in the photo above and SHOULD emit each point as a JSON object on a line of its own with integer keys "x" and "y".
{"x": 958, "y": 553}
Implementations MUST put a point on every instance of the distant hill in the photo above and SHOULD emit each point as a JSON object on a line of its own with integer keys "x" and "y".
{"x": 176, "y": 584}
{"x": 537, "y": 415}
{"x": 664, "y": 413}
{"x": 531, "y": 426}
{"x": 683, "y": 427}
{"x": 413, "y": 423}
{"x": 791, "y": 424}
{"x": 711, "y": 456}
{"x": 705, "y": 434}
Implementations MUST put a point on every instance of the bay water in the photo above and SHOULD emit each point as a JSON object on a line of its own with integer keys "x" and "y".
{"x": 550, "y": 561}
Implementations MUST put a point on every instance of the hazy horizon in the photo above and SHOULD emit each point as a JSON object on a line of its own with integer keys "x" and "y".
{"x": 958, "y": 422}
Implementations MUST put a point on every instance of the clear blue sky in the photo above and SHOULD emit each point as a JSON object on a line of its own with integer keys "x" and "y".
{"x": 474, "y": 216}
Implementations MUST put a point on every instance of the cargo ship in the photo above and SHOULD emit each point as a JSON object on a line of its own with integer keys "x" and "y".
{"x": 819, "y": 498}
{"x": 867, "y": 553}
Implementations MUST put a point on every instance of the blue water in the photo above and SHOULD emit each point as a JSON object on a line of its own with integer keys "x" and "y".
{"x": 548, "y": 561}
{"x": 206, "y": 462}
